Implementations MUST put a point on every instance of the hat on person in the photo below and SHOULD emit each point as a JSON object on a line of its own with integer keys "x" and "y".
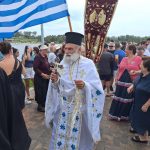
{"x": 58, "y": 46}
{"x": 52, "y": 43}
{"x": 105, "y": 45}
{"x": 73, "y": 38}
{"x": 43, "y": 47}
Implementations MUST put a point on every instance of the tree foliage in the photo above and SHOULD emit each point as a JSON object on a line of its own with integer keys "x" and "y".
{"x": 127, "y": 38}
{"x": 60, "y": 38}
{"x": 55, "y": 38}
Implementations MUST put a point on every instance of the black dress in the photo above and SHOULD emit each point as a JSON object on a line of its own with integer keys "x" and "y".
{"x": 140, "y": 121}
{"x": 13, "y": 132}
{"x": 6, "y": 108}
{"x": 122, "y": 101}
{"x": 41, "y": 65}
{"x": 17, "y": 85}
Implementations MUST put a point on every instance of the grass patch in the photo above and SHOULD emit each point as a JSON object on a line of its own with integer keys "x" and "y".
{"x": 31, "y": 84}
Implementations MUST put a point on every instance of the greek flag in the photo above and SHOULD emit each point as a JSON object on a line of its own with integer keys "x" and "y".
{"x": 20, "y": 14}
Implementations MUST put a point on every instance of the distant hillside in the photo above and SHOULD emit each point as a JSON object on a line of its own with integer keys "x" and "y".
{"x": 32, "y": 37}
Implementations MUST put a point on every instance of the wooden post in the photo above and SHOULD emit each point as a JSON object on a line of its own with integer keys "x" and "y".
{"x": 69, "y": 21}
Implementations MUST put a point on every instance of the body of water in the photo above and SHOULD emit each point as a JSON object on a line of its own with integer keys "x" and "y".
{"x": 21, "y": 46}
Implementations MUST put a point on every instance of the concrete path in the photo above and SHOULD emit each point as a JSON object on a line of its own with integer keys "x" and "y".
{"x": 115, "y": 135}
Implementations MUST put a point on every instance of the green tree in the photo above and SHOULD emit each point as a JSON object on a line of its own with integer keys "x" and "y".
{"x": 27, "y": 34}
{"x": 18, "y": 34}
{"x": 34, "y": 33}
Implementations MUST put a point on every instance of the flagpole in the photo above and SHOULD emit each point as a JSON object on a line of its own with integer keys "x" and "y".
{"x": 42, "y": 34}
{"x": 69, "y": 22}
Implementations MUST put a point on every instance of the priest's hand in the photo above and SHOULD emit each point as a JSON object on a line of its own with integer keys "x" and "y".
{"x": 54, "y": 76}
{"x": 80, "y": 84}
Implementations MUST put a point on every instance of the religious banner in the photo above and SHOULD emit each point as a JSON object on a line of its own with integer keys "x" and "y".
{"x": 98, "y": 16}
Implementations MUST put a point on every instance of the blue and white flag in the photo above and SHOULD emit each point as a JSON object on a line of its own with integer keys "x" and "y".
{"x": 20, "y": 14}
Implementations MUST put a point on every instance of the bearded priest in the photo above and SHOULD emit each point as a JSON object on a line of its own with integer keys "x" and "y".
{"x": 75, "y": 100}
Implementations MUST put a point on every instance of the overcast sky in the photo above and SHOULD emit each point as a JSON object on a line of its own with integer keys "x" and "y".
{"x": 132, "y": 17}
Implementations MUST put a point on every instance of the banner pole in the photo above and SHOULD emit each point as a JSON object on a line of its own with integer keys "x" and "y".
{"x": 69, "y": 22}
{"x": 42, "y": 34}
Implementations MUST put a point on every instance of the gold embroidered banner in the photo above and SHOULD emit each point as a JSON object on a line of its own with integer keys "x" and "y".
{"x": 98, "y": 16}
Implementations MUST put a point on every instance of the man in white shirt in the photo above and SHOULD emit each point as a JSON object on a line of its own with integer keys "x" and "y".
{"x": 147, "y": 51}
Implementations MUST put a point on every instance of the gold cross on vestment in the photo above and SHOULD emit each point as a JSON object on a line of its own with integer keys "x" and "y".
{"x": 82, "y": 73}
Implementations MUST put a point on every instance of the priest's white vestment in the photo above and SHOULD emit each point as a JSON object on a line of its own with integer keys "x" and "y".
{"x": 76, "y": 114}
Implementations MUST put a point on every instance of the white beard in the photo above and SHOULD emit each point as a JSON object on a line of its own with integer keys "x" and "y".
{"x": 71, "y": 59}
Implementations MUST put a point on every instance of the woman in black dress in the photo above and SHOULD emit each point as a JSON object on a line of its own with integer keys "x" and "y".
{"x": 6, "y": 116}
{"x": 41, "y": 78}
{"x": 18, "y": 134}
{"x": 17, "y": 84}
{"x": 16, "y": 79}
{"x": 140, "y": 113}
{"x": 128, "y": 71}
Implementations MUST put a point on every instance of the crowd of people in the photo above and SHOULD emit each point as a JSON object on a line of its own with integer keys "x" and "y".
{"x": 70, "y": 89}
{"x": 128, "y": 71}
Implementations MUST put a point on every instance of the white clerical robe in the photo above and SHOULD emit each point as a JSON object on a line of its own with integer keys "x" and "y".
{"x": 76, "y": 114}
